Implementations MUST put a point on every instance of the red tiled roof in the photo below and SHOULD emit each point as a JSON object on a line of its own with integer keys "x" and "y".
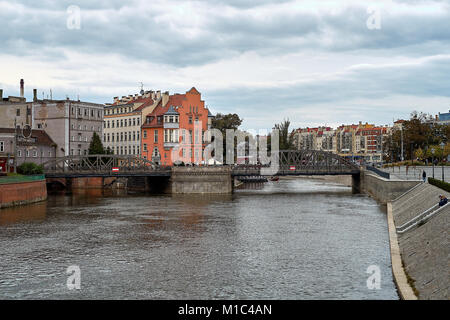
{"x": 174, "y": 100}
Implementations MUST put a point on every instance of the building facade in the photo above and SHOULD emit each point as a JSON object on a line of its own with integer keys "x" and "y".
{"x": 359, "y": 142}
{"x": 123, "y": 120}
{"x": 179, "y": 126}
{"x": 71, "y": 124}
{"x": 18, "y": 144}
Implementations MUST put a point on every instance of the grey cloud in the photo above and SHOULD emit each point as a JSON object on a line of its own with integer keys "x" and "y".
{"x": 139, "y": 35}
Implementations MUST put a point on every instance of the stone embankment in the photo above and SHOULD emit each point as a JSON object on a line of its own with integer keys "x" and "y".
{"x": 419, "y": 243}
{"x": 21, "y": 190}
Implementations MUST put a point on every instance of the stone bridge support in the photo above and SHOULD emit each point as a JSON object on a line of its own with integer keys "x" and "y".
{"x": 201, "y": 180}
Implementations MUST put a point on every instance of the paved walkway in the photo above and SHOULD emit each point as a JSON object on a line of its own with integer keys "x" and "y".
{"x": 415, "y": 173}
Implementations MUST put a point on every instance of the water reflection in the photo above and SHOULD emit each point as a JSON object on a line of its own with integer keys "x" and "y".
{"x": 27, "y": 213}
{"x": 294, "y": 239}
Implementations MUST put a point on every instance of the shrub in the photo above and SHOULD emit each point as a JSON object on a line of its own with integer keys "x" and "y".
{"x": 30, "y": 168}
{"x": 440, "y": 184}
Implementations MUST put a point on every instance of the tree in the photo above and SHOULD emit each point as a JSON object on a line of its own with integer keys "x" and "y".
{"x": 286, "y": 137}
{"x": 96, "y": 145}
{"x": 226, "y": 121}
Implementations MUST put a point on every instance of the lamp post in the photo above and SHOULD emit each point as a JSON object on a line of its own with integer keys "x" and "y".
{"x": 442, "y": 164}
{"x": 432, "y": 159}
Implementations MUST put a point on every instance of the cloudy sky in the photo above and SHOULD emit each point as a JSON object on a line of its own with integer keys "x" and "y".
{"x": 324, "y": 62}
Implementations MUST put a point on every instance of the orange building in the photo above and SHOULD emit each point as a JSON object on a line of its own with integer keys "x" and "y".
{"x": 175, "y": 131}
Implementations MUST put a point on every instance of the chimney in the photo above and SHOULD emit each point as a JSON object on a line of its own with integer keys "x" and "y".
{"x": 158, "y": 94}
{"x": 21, "y": 88}
{"x": 165, "y": 98}
{"x": 34, "y": 94}
{"x": 1, "y": 94}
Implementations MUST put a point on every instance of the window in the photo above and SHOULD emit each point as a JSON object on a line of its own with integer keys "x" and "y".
{"x": 129, "y": 122}
{"x": 27, "y": 154}
{"x": 34, "y": 153}
{"x": 137, "y": 150}
{"x": 121, "y": 136}
{"x": 134, "y": 121}
{"x": 156, "y": 136}
{"x": 134, "y": 136}
{"x": 137, "y": 135}
{"x": 138, "y": 121}
{"x": 190, "y": 119}
{"x": 107, "y": 123}
{"x": 18, "y": 112}
{"x": 145, "y": 134}
{"x": 49, "y": 153}
{"x": 112, "y": 124}
{"x": 92, "y": 113}
{"x": 2, "y": 146}
{"x": 19, "y": 153}
{"x": 129, "y": 136}
{"x": 112, "y": 137}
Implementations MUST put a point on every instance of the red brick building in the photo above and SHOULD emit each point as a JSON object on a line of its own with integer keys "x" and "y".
{"x": 177, "y": 125}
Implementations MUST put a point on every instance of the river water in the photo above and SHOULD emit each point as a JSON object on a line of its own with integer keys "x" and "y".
{"x": 292, "y": 239}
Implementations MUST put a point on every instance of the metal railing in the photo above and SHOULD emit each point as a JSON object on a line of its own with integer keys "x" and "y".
{"x": 420, "y": 218}
{"x": 379, "y": 172}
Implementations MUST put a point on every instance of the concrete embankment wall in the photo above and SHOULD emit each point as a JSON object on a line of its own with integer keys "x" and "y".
{"x": 190, "y": 180}
{"x": 385, "y": 190}
{"x": 423, "y": 250}
{"x": 22, "y": 190}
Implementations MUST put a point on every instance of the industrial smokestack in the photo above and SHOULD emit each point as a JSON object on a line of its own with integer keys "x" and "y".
{"x": 1, "y": 94}
{"x": 21, "y": 88}
{"x": 35, "y": 95}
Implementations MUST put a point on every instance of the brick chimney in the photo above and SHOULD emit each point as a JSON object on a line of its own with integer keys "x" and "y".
{"x": 21, "y": 88}
{"x": 35, "y": 95}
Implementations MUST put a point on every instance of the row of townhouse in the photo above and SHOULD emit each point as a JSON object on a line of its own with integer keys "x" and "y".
{"x": 157, "y": 125}
{"x": 356, "y": 141}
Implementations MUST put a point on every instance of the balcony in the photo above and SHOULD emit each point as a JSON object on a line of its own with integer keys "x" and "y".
{"x": 171, "y": 144}
{"x": 171, "y": 125}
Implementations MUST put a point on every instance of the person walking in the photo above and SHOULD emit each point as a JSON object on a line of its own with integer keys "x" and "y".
{"x": 424, "y": 176}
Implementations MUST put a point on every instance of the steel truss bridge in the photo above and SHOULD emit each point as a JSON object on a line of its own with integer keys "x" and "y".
{"x": 290, "y": 162}
{"x": 304, "y": 162}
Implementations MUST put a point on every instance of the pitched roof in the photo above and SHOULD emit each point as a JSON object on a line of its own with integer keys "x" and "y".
{"x": 171, "y": 111}
{"x": 42, "y": 138}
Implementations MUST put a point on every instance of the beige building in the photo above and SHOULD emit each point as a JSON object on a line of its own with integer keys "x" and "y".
{"x": 71, "y": 124}
{"x": 123, "y": 120}
{"x": 15, "y": 110}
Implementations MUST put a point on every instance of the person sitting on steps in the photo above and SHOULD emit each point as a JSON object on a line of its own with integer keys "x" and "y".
{"x": 443, "y": 200}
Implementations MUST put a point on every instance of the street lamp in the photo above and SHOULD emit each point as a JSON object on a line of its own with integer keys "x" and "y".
{"x": 432, "y": 159}
{"x": 442, "y": 164}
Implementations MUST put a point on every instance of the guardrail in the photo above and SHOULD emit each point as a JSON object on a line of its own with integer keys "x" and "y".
{"x": 383, "y": 174}
{"x": 420, "y": 218}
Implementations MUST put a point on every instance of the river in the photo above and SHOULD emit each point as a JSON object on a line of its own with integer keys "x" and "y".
{"x": 291, "y": 239}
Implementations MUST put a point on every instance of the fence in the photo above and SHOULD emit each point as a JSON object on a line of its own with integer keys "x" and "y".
{"x": 382, "y": 174}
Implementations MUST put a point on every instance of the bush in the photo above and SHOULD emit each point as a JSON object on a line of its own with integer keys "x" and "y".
{"x": 440, "y": 184}
{"x": 30, "y": 168}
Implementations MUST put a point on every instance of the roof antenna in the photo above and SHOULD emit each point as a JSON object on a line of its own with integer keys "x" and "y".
{"x": 142, "y": 88}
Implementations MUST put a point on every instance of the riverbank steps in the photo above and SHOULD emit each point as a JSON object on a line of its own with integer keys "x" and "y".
{"x": 424, "y": 248}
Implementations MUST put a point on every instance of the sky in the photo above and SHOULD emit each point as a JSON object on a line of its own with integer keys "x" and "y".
{"x": 324, "y": 62}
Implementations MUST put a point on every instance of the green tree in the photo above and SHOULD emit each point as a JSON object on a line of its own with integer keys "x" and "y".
{"x": 286, "y": 136}
{"x": 226, "y": 121}
{"x": 96, "y": 145}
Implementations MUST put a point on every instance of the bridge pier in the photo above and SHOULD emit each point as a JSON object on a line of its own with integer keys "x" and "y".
{"x": 356, "y": 183}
